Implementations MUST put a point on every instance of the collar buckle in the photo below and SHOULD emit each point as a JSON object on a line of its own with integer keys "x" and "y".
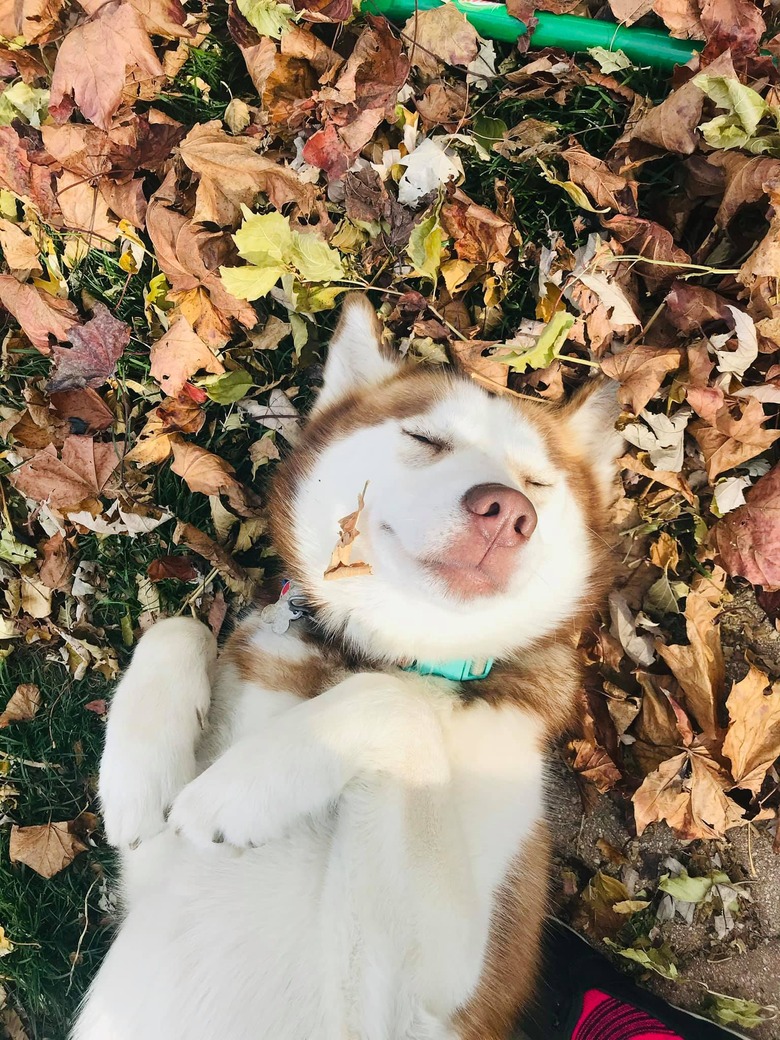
{"x": 456, "y": 671}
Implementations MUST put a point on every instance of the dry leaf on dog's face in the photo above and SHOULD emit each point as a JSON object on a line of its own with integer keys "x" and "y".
{"x": 46, "y": 849}
{"x": 23, "y": 705}
{"x": 341, "y": 565}
{"x": 753, "y": 741}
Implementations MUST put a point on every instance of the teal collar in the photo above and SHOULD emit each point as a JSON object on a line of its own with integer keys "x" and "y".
{"x": 456, "y": 671}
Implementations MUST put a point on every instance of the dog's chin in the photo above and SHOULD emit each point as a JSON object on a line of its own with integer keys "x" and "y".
{"x": 467, "y": 582}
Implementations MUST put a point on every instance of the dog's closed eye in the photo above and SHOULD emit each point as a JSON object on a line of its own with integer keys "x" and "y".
{"x": 436, "y": 444}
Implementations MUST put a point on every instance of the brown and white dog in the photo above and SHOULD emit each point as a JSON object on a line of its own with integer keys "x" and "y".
{"x": 356, "y": 851}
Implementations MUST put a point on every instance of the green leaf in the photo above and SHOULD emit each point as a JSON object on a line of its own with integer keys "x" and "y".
{"x": 692, "y": 889}
{"x": 609, "y": 61}
{"x": 30, "y": 102}
{"x": 13, "y": 551}
{"x": 314, "y": 259}
{"x": 574, "y": 191}
{"x": 657, "y": 959}
{"x": 746, "y": 104}
{"x": 425, "y": 247}
{"x": 229, "y": 387}
{"x": 263, "y": 237}
{"x": 267, "y": 16}
{"x": 488, "y": 131}
{"x": 735, "y": 1011}
{"x": 550, "y": 341}
{"x": 310, "y": 299}
{"x": 250, "y": 283}
{"x": 664, "y": 595}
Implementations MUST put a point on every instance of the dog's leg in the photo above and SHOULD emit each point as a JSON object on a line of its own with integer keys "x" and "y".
{"x": 369, "y": 723}
{"x": 155, "y": 722}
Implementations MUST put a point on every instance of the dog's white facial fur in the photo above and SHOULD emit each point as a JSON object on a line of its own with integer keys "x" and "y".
{"x": 414, "y": 510}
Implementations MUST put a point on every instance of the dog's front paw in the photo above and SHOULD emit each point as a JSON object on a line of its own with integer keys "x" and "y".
{"x": 220, "y": 806}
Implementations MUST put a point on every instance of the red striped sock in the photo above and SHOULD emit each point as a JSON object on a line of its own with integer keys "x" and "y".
{"x": 606, "y": 1018}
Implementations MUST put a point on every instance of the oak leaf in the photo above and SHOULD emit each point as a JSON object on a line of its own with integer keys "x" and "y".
{"x": 47, "y": 849}
{"x": 752, "y": 743}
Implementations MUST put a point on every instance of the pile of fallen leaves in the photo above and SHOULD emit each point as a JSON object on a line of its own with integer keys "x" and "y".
{"x": 173, "y": 246}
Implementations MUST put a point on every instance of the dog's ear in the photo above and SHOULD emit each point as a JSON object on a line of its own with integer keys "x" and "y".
{"x": 355, "y": 358}
{"x": 590, "y": 417}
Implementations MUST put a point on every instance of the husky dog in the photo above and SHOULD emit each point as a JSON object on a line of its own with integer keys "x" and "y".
{"x": 335, "y": 832}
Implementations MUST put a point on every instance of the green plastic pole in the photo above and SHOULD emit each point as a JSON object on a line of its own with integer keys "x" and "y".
{"x": 566, "y": 31}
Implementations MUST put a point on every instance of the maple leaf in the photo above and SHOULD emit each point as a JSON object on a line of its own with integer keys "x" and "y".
{"x": 72, "y": 481}
{"x": 747, "y": 540}
{"x": 94, "y": 60}
{"x": 178, "y": 355}
{"x": 41, "y": 316}
{"x": 35, "y": 20}
{"x": 23, "y": 705}
{"x": 699, "y": 667}
{"x": 752, "y": 743}
{"x": 46, "y": 849}
{"x": 689, "y": 793}
{"x": 96, "y": 348}
{"x": 20, "y": 251}
{"x": 479, "y": 235}
{"x": 640, "y": 372}
{"x": 232, "y": 175}
{"x": 84, "y": 410}
{"x": 210, "y": 475}
{"x": 727, "y": 441}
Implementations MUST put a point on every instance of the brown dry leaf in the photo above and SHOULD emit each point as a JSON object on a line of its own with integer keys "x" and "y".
{"x": 690, "y": 307}
{"x": 607, "y": 189}
{"x": 665, "y": 552}
{"x": 55, "y": 566}
{"x": 235, "y": 577}
{"x": 594, "y": 764}
{"x": 753, "y": 740}
{"x": 630, "y": 11}
{"x": 468, "y": 355}
{"x": 35, "y": 596}
{"x": 190, "y": 257}
{"x": 640, "y": 371}
{"x": 748, "y": 179}
{"x": 341, "y": 565}
{"x": 22, "y": 176}
{"x": 24, "y": 705}
{"x": 46, "y": 849}
{"x": 747, "y": 540}
{"x": 94, "y": 60}
{"x": 675, "y": 481}
{"x": 96, "y": 348}
{"x": 84, "y": 410}
{"x": 41, "y": 316}
{"x": 648, "y": 239}
{"x": 232, "y": 174}
{"x": 731, "y": 25}
{"x": 179, "y": 355}
{"x": 181, "y": 414}
{"x": 699, "y": 668}
{"x": 764, "y": 261}
{"x": 35, "y": 20}
{"x": 671, "y": 126}
{"x": 152, "y": 445}
{"x": 71, "y": 482}
{"x": 440, "y": 35}
{"x": 181, "y": 568}
{"x": 85, "y": 212}
{"x": 681, "y": 18}
{"x": 479, "y": 236}
{"x": 162, "y": 18}
{"x": 726, "y": 441}
{"x": 210, "y": 475}
{"x": 689, "y": 793}
{"x": 20, "y": 251}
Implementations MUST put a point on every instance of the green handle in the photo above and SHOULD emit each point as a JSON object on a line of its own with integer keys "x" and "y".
{"x": 566, "y": 31}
